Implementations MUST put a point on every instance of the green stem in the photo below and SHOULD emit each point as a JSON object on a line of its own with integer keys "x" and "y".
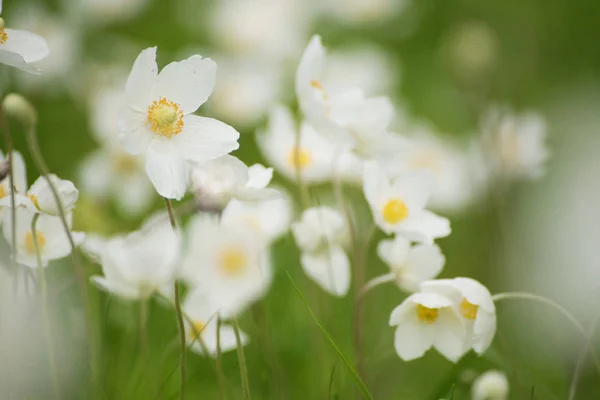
{"x": 581, "y": 359}
{"x": 220, "y": 376}
{"x": 46, "y": 316}
{"x": 177, "y": 301}
{"x": 557, "y": 307}
{"x": 143, "y": 332}
{"x": 241, "y": 360}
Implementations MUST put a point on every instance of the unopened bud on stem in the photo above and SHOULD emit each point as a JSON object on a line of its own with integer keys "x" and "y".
{"x": 17, "y": 107}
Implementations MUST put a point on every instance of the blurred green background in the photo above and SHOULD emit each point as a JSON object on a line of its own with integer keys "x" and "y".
{"x": 455, "y": 59}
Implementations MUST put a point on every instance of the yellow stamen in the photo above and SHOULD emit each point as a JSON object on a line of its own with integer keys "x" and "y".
{"x": 34, "y": 200}
{"x": 394, "y": 211}
{"x": 299, "y": 158}
{"x": 3, "y": 34}
{"x": 426, "y": 314}
{"x": 317, "y": 85}
{"x": 196, "y": 330}
{"x": 30, "y": 245}
{"x": 468, "y": 309}
{"x": 165, "y": 117}
{"x": 232, "y": 261}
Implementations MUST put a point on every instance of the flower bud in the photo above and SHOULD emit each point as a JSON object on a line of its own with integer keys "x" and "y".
{"x": 17, "y": 107}
{"x": 491, "y": 385}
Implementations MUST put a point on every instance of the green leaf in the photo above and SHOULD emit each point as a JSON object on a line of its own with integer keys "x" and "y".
{"x": 359, "y": 382}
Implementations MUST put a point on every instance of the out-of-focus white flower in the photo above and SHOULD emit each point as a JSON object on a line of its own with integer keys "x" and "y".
{"x": 398, "y": 205}
{"x": 516, "y": 144}
{"x": 201, "y": 326}
{"x": 104, "y": 107}
{"x": 158, "y": 121}
{"x": 246, "y": 89}
{"x": 217, "y": 181}
{"x": 137, "y": 265}
{"x": 20, "y": 49}
{"x": 491, "y": 385}
{"x": 52, "y": 240}
{"x": 366, "y": 11}
{"x": 61, "y": 36}
{"x": 346, "y": 116}
{"x": 411, "y": 265}
{"x": 473, "y": 302}
{"x": 321, "y": 235}
{"x": 270, "y": 219}
{"x": 20, "y": 176}
{"x": 275, "y": 29}
{"x": 426, "y": 320}
{"x": 229, "y": 264}
{"x": 455, "y": 169}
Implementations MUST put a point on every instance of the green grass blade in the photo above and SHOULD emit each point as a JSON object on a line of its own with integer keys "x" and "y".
{"x": 359, "y": 382}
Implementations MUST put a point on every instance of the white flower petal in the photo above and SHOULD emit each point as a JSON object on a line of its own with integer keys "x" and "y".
{"x": 134, "y": 134}
{"x": 28, "y": 45}
{"x": 205, "y": 139}
{"x": 413, "y": 339}
{"x": 140, "y": 84}
{"x": 330, "y": 269}
{"x": 259, "y": 176}
{"x": 450, "y": 336}
{"x": 187, "y": 83}
{"x": 414, "y": 188}
{"x": 424, "y": 227}
{"x": 425, "y": 261}
{"x": 167, "y": 170}
{"x": 394, "y": 252}
{"x": 17, "y": 61}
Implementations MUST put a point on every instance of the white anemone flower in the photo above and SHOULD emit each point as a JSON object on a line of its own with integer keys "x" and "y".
{"x": 53, "y": 242}
{"x": 158, "y": 120}
{"x": 426, "y": 320}
{"x": 20, "y": 176}
{"x": 321, "y": 235}
{"x": 312, "y": 157}
{"x": 270, "y": 219}
{"x": 137, "y": 265}
{"x": 201, "y": 326}
{"x": 491, "y": 385}
{"x": 230, "y": 264}
{"x": 346, "y": 116}
{"x": 411, "y": 265}
{"x": 398, "y": 205}
{"x": 473, "y": 303}
{"x": 20, "y": 49}
{"x": 516, "y": 144}
{"x": 217, "y": 181}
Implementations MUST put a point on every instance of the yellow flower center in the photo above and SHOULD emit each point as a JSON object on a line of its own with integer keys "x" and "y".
{"x": 3, "y": 192}
{"x": 426, "y": 314}
{"x": 34, "y": 200}
{"x": 165, "y": 117}
{"x": 29, "y": 242}
{"x": 3, "y": 34}
{"x": 468, "y": 309}
{"x": 299, "y": 158}
{"x": 317, "y": 85}
{"x": 125, "y": 163}
{"x": 196, "y": 330}
{"x": 394, "y": 211}
{"x": 232, "y": 261}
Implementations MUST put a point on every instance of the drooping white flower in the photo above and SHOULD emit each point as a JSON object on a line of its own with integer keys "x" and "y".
{"x": 229, "y": 264}
{"x": 491, "y": 385}
{"x": 321, "y": 234}
{"x": 137, "y": 265}
{"x": 398, "y": 205}
{"x": 516, "y": 144}
{"x": 158, "y": 120}
{"x": 270, "y": 219}
{"x": 346, "y": 116}
{"x": 217, "y": 181}
{"x": 426, "y": 320}
{"x": 473, "y": 302}
{"x": 52, "y": 240}
{"x": 21, "y": 48}
{"x": 411, "y": 264}
{"x": 201, "y": 326}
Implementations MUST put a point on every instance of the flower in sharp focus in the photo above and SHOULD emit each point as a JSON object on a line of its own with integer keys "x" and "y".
{"x": 201, "y": 326}
{"x": 321, "y": 234}
{"x": 230, "y": 264}
{"x": 411, "y": 264}
{"x": 158, "y": 120}
{"x": 398, "y": 204}
{"x": 21, "y": 48}
{"x": 491, "y": 385}
{"x": 426, "y": 320}
{"x": 52, "y": 240}
{"x": 217, "y": 181}
{"x": 137, "y": 265}
{"x": 473, "y": 302}
{"x": 516, "y": 144}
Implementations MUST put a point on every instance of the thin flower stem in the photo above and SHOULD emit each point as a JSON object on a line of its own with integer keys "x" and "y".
{"x": 46, "y": 316}
{"x": 242, "y": 361}
{"x": 143, "y": 331}
{"x": 379, "y": 280}
{"x": 557, "y": 307}
{"x": 581, "y": 358}
{"x": 11, "y": 175}
{"x": 177, "y": 302}
{"x": 220, "y": 376}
